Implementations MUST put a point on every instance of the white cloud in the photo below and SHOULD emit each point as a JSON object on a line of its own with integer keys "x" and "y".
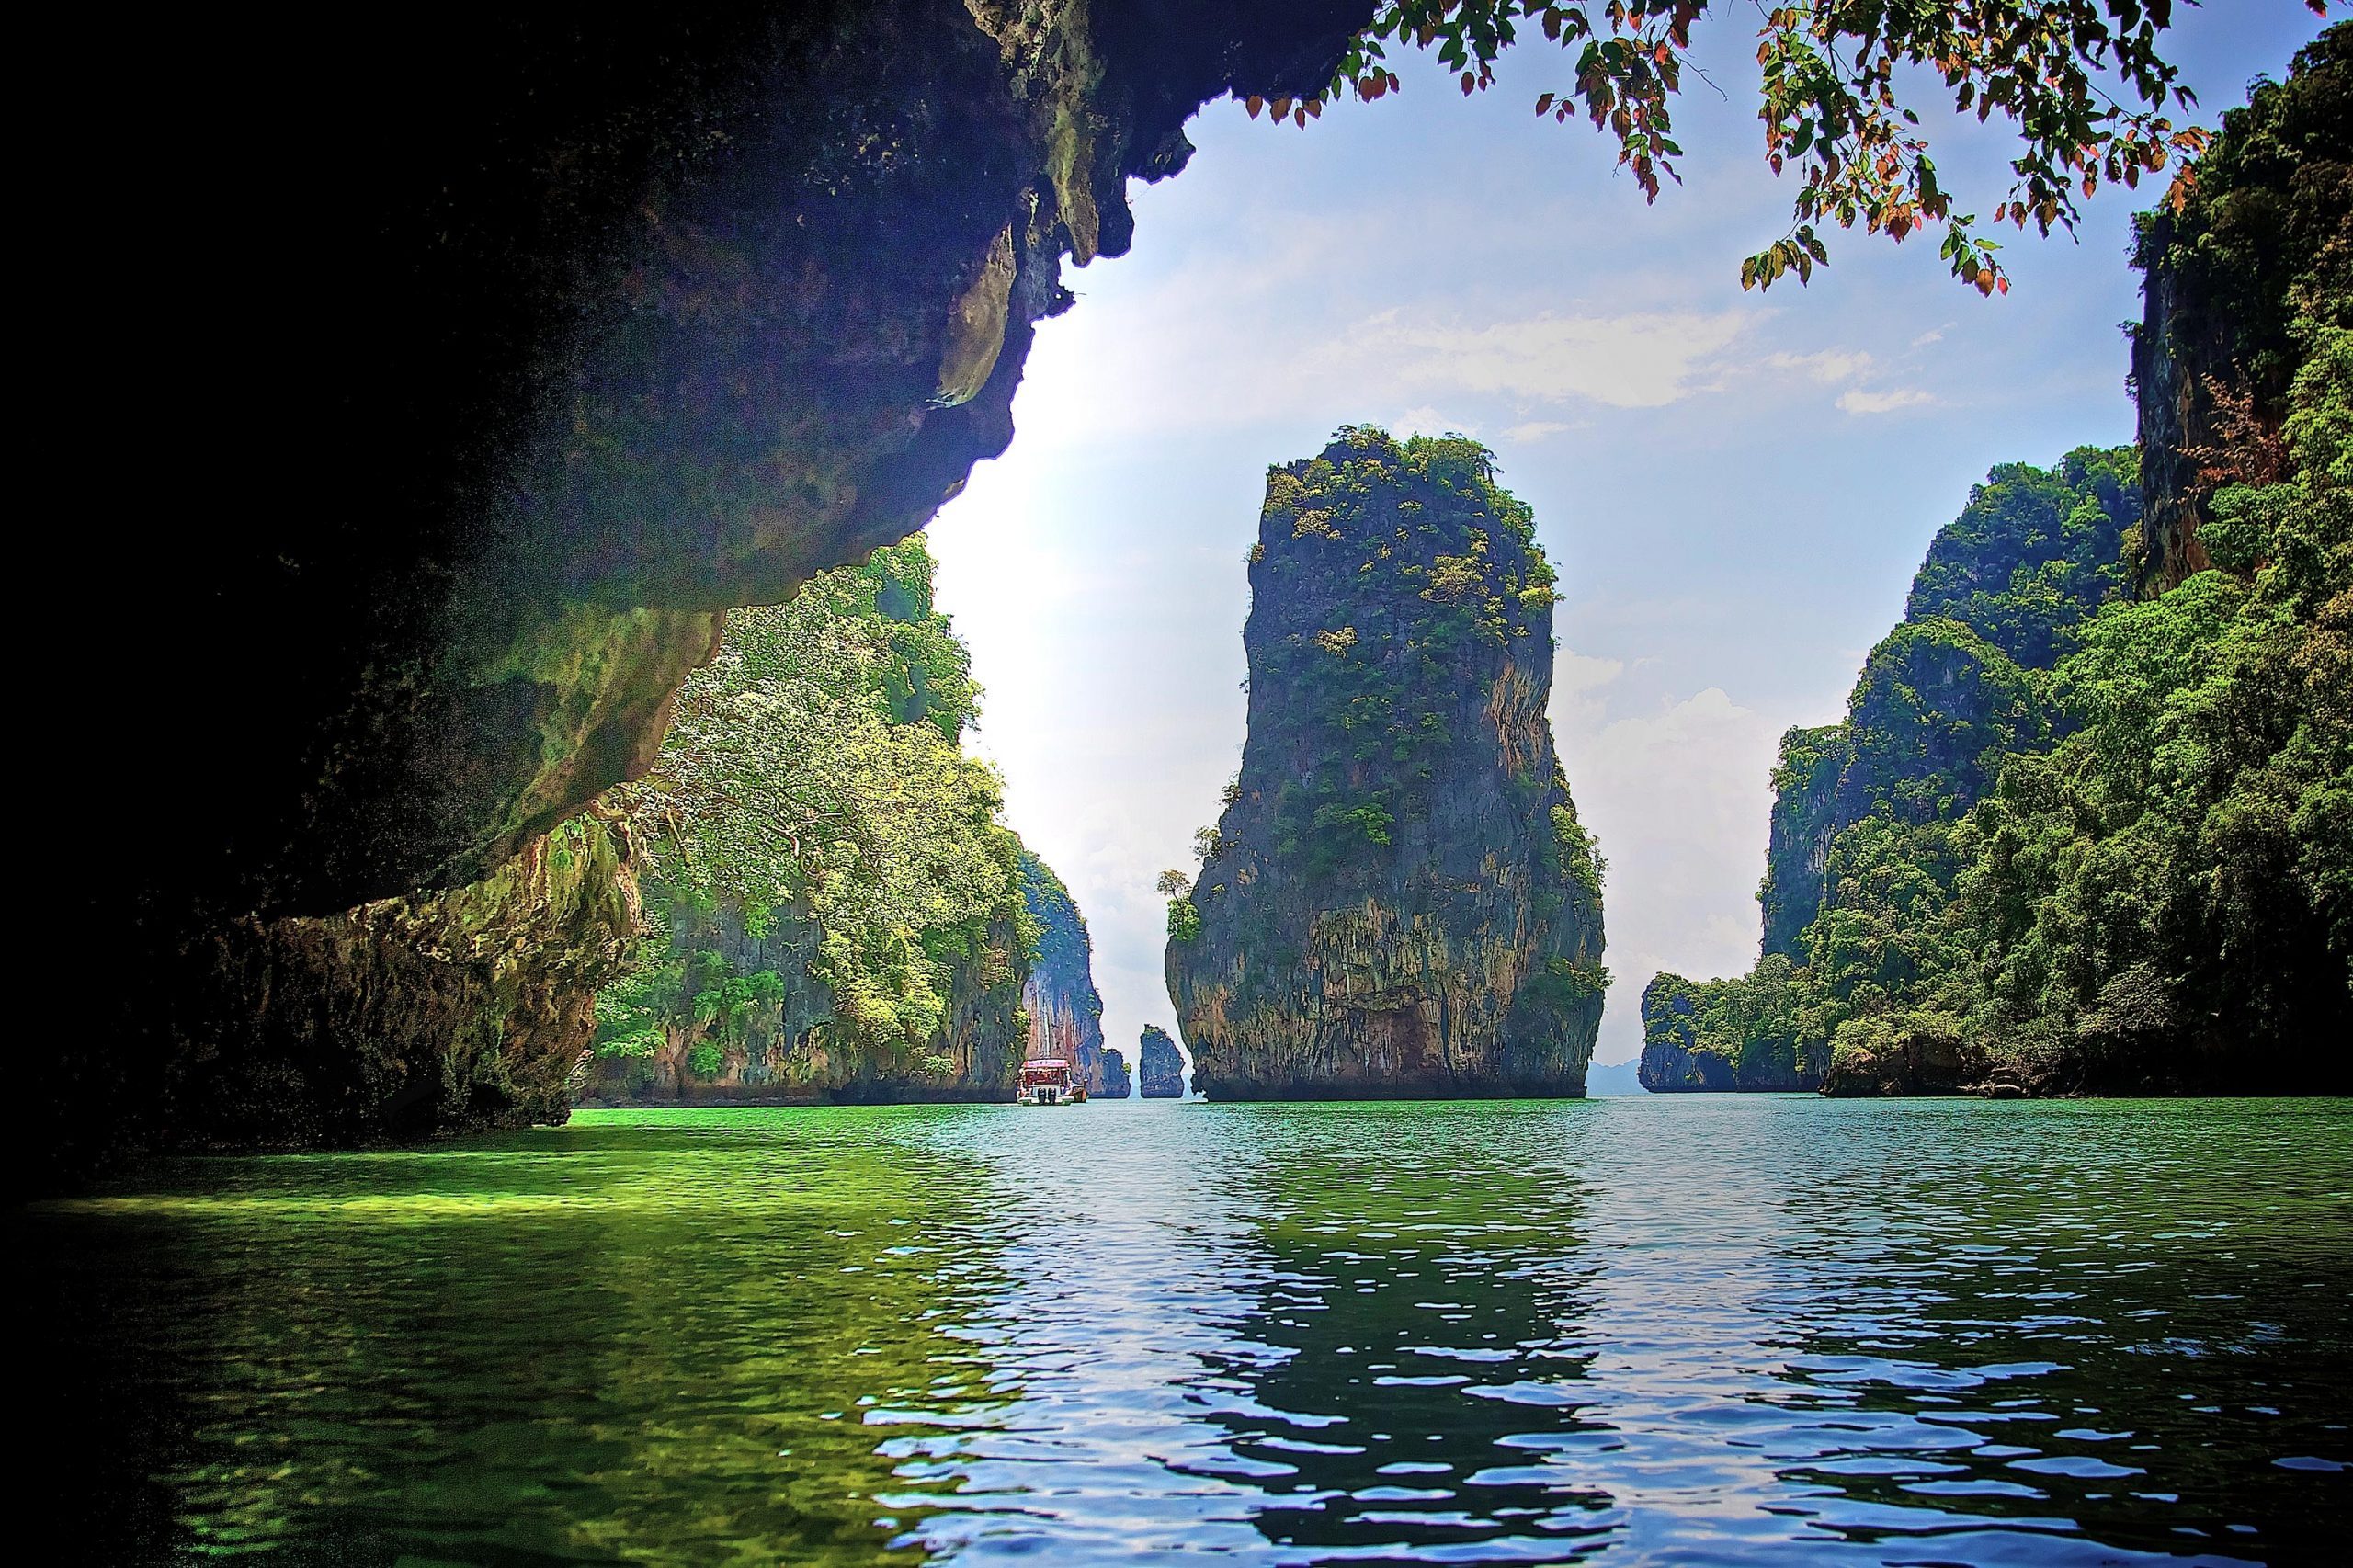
{"x": 1580, "y": 690}
{"x": 1829, "y": 366}
{"x": 1641, "y": 360}
{"x": 1579, "y": 672}
{"x": 1428, "y": 421}
{"x": 1856, "y": 401}
{"x": 1535, "y": 430}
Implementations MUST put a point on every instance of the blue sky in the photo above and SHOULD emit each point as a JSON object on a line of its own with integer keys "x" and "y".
{"x": 1736, "y": 488}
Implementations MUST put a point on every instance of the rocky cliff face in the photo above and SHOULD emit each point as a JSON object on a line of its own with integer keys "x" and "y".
{"x": 1399, "y": 900}
{"x": 1805, "y": 792}
{"x": 1160, "y": 1067}
{"x": 635, "y": 315}
{"x": 2259, "y": 232}
{"x": 667, "y": 309}
{"x": 1066, "y": 1011}
{"x": 457, "y": 1012}
{"x": 1955, "y": 688}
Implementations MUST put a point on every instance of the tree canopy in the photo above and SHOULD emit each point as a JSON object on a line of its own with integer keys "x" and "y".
{"x": 813, "y": 778}
{"x": 2084, "y": 85}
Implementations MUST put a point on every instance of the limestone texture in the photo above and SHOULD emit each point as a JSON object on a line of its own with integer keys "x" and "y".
{"x": 456, "y": 1012}
{"x": 1065, "y": 1010}
{"x": 1160, "y": 1070}
{"x": 1398, "y": 901}
{"x": 568, "y": 331}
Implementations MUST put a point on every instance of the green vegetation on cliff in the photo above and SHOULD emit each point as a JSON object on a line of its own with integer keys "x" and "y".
{"x": 2167, "y": 898}
{"x": 1398, "y": 898}
{"x": 832, "y": 905}
{"x": 2071, "y": 841}
{"x": 1870, "y": 818}
{"x": 1377, "y": 700}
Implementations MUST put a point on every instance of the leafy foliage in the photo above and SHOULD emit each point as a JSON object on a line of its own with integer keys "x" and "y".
{"x": 1872, "y": 825}
{"x": 1184, "y": 919}
{"x": 2084, "y": 85}
{"x": 1580, "y": 856}
{"x": 2176, "y": 877}
{"x": 813, "y": 779}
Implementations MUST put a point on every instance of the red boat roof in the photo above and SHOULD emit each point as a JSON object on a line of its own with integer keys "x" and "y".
{"x": 1045, "y": 1061}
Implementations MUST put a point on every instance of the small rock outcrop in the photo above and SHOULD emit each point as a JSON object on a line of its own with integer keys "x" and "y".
{"x": 1911, "y": 1053}
{"x": 1160, "y": 1070}
{"x": 1065, "y": 1010}
{"x": 1115, "y": 1075}
{"x": 1398, "y": 901}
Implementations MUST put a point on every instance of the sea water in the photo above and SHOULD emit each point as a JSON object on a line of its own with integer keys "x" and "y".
{"x": 1675, "y": 1328}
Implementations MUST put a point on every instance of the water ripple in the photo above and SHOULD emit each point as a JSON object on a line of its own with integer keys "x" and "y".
{"x": 1699, "y": 1329}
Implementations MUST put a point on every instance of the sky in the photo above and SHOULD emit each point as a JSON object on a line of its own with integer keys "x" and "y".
{"x": 1736, "y": 488}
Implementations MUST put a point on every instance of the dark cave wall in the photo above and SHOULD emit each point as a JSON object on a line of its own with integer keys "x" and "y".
{"x": 493, "y": 358}
{"x": 604, "y": 326}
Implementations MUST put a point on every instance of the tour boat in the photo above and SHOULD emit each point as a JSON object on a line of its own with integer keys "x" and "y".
{"x": 1048, "y": 1080}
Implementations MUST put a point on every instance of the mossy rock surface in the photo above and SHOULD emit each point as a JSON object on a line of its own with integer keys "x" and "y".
{"x": 1400, "y": 901}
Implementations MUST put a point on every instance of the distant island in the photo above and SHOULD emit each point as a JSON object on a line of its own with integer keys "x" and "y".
{"x": 1613, "y": 1078}
{"x": 1160, "y": 1069}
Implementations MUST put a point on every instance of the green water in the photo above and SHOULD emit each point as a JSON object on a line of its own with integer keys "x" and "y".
{"x": 1691, "y": 1329}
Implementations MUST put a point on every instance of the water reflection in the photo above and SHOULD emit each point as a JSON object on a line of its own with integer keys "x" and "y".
{"x": 2067, "y": 1323}
{"x": 1414, "y": 1363}
{"x": 648, "y": 1344}
{"x": 1759, "y": 1329}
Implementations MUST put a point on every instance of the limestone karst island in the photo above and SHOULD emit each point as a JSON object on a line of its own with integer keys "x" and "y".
{"x": 1398, "y": 901}
{"x": 847, "y": 791}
